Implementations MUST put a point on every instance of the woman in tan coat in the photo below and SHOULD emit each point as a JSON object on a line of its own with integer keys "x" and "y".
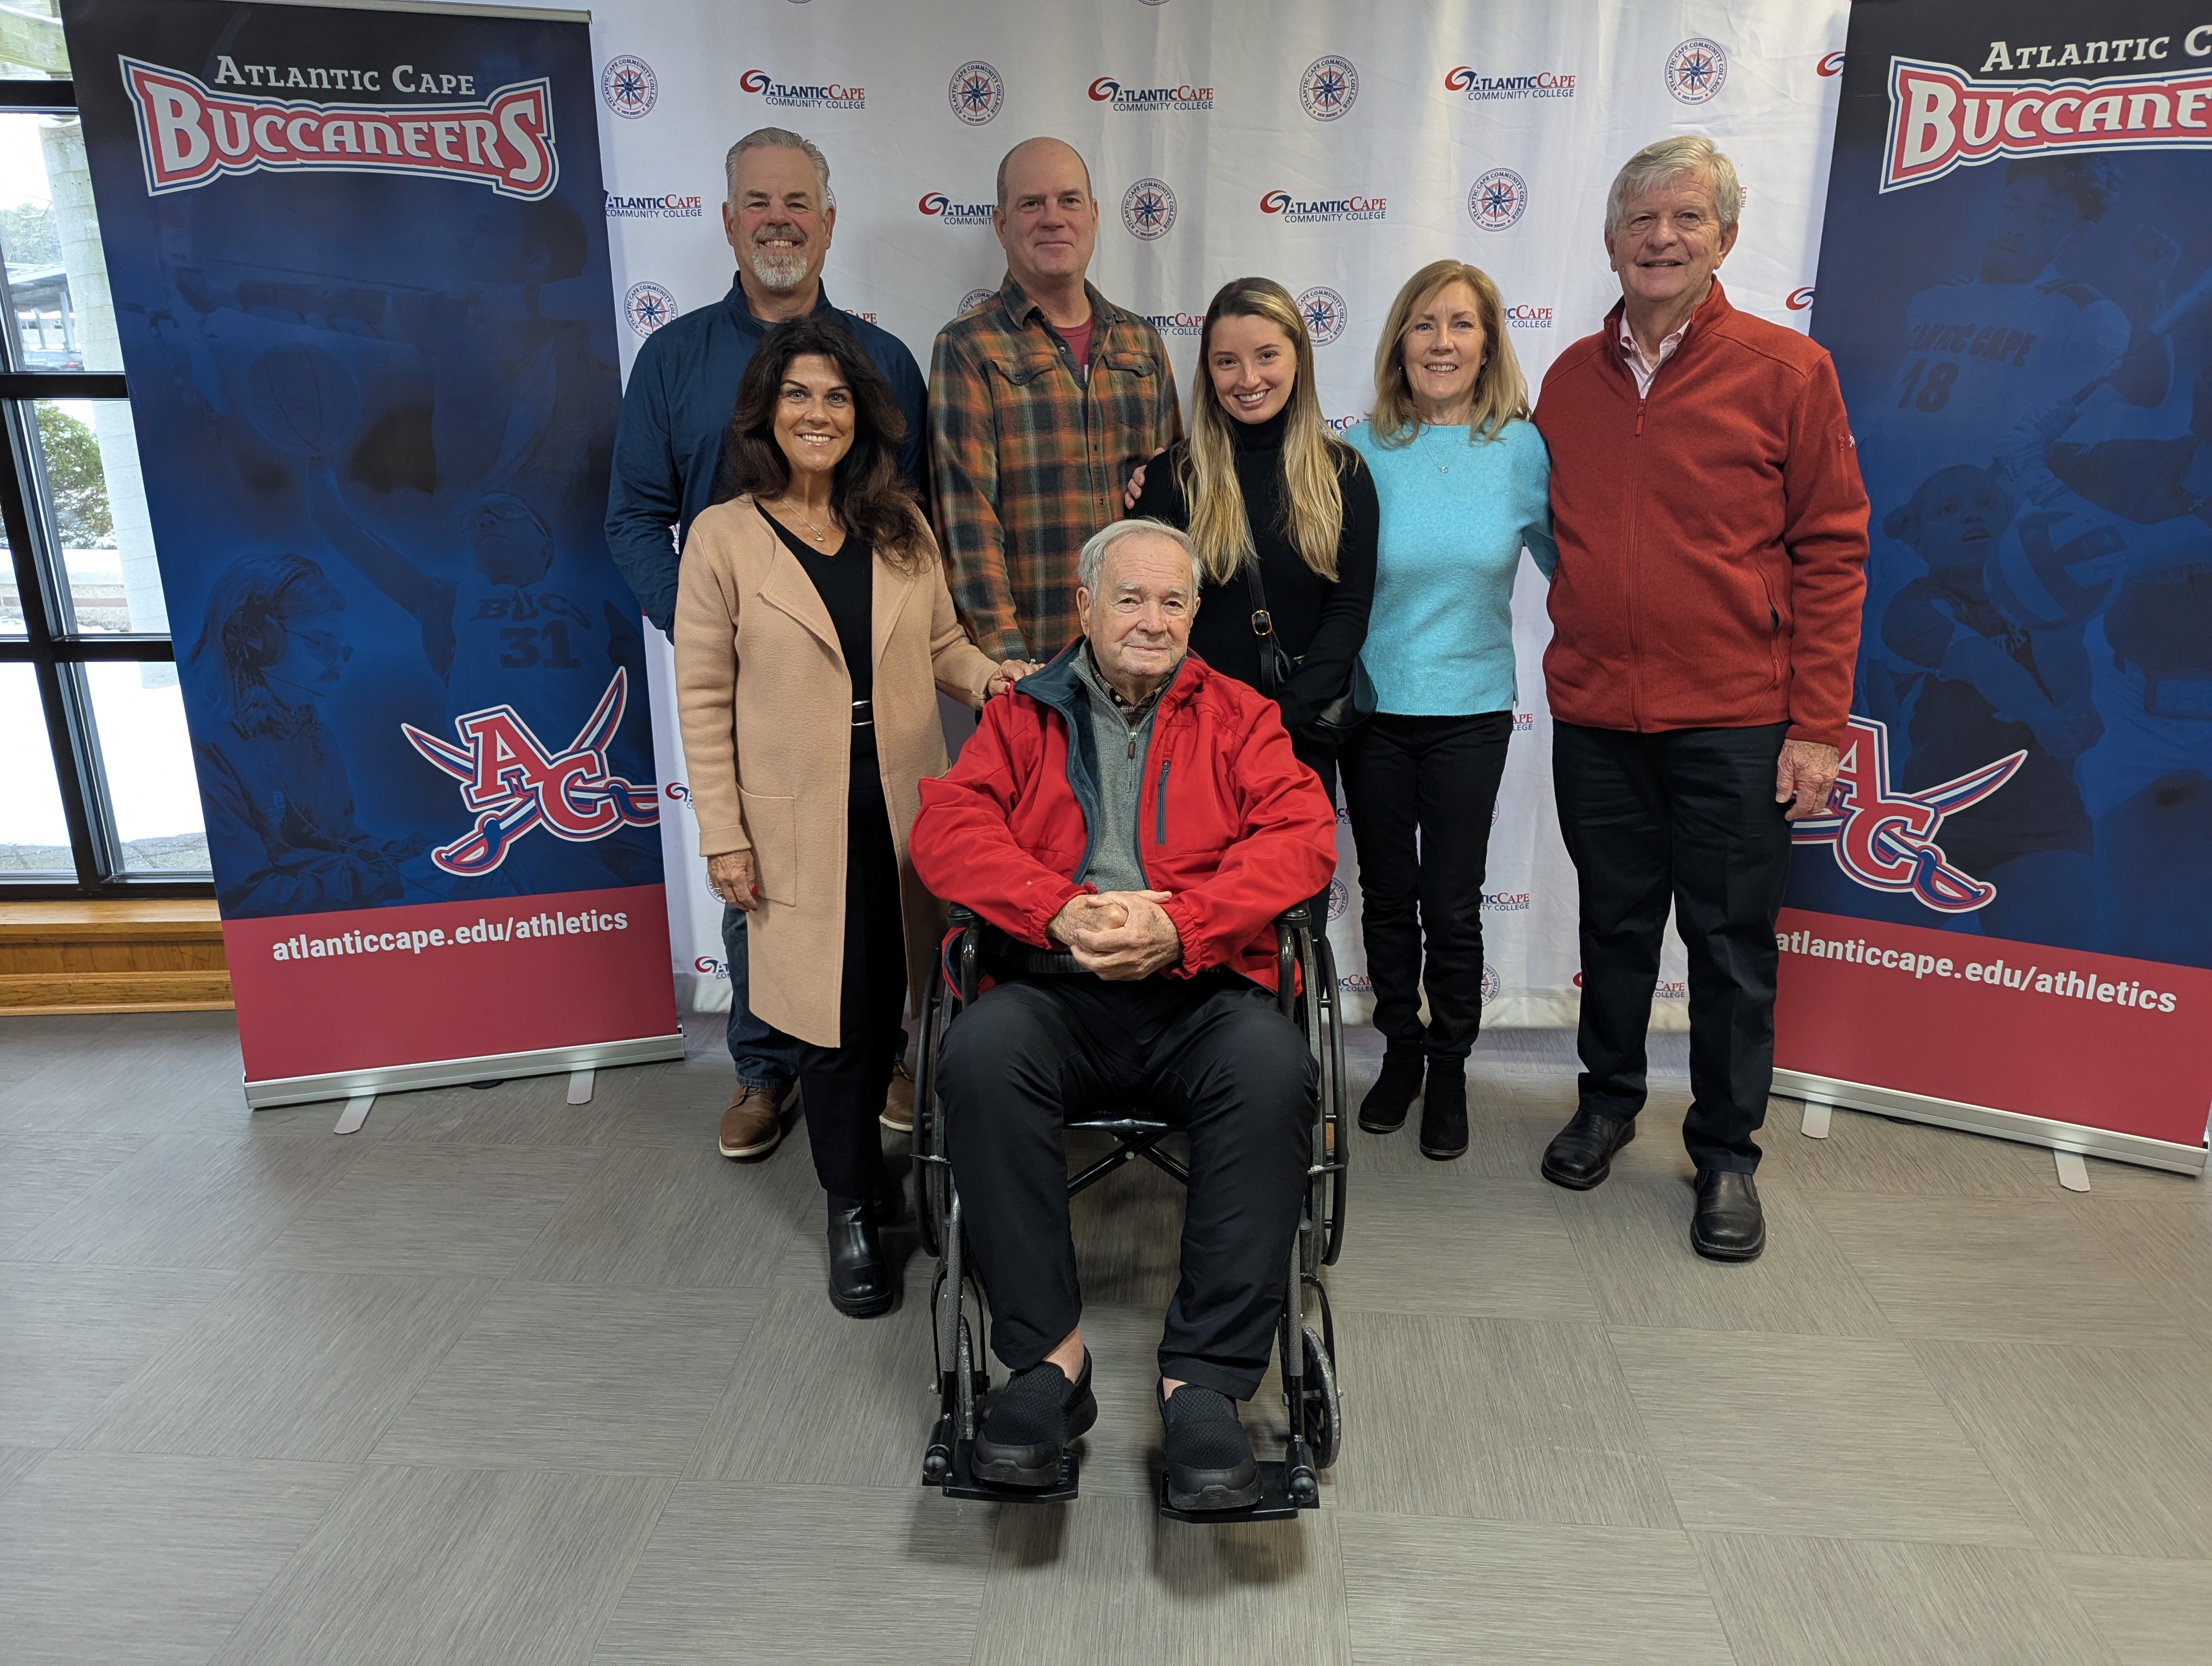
{"x": 813, "y": 629}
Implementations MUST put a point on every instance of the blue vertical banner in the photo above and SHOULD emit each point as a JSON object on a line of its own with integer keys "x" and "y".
{"x": 2007, "y": 919}
{"x": 361, "y": 273}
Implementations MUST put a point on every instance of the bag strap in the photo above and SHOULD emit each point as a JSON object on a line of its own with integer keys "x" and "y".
{"x": 1263, "y": 626}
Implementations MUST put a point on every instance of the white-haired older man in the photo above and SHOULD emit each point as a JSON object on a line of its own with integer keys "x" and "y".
{"x": 778, "y": 220}
{"x": 1137, "y": 808}
{"x": 1712, "y": 537}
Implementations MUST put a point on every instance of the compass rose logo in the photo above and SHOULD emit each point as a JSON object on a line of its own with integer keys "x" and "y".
{"x": 629, "y": 87}
{"x": 647, "y": 306}
{"x": 1696, "y": 70}
{"x": 975, "y": 92}
{"x": 1497, "y": 199}
{"x": 1325, "y": 314}
{"x": 1148, "y": 209}
{"x": 1329, "y": 86}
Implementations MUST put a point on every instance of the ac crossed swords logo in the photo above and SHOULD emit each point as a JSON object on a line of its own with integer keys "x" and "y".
{"x": 1885, "y": 839}
{"x": 512, "y": 784}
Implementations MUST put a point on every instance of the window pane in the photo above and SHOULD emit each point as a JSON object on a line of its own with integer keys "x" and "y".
{"x": 31, "y": 42}
{"x": 98, "y": 500}
{"x": 63, "y": 317}
{"x": 33, "y": 837}
{"x": 12, "y": 605}
{"x": 147, "y": 755}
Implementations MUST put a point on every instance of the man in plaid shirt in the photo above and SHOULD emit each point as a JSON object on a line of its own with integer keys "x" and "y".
{"x": 1041, "y": 401}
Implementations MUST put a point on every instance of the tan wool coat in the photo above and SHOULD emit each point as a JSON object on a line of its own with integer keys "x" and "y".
{"x": 765, "y": 704}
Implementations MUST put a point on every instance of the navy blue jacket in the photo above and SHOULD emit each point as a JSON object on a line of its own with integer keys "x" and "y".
{"x": 676, "y": 416}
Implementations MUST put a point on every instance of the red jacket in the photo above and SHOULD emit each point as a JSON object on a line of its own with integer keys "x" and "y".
{"x": 1712, "y": 535}
{"x": 1228, "y": 818}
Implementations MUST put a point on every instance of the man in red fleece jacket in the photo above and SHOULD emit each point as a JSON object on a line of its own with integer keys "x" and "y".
{"x": 1712, "y": 538}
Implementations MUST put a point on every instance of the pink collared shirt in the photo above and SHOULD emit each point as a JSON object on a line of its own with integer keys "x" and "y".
{"x": 1642, "y": 368}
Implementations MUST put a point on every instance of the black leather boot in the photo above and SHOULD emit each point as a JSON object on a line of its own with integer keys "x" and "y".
{"x": 1580, "y": 1155}
{"x": 861, "y": 1285}
{"x": 1383, "y": 1110}
{"x": 1729, "y": 1225}
{"x": 1444, "y": 1110}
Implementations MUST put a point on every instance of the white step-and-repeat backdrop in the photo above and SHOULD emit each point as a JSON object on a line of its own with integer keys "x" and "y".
{"x": 1334, "y": 149}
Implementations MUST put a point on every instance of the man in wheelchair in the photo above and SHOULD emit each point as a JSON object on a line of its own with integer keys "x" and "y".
{"x": 1131, "y": 821}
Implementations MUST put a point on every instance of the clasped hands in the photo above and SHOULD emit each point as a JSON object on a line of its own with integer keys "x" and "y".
{"x": 1121, "y": 935}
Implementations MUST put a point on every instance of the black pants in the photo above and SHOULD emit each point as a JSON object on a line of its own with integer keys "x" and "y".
{"x": 1687, "y": 815}
{"x": 1323, "y": 762}
{"x": 1213, "y": 1051}
{"x": 843, "y": 1087}
{"x": 1436, "y": 778}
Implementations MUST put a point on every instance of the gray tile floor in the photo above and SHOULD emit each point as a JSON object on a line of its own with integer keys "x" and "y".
{"x": 503, "y": 1379}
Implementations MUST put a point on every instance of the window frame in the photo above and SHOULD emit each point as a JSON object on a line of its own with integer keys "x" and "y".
{"x": 56, "y": 654}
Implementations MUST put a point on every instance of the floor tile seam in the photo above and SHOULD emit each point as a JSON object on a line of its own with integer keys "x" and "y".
{"x": 611, "y": 1604}
{"x": 36, "y": 1463}
{"x": 1346, "y": 1513}
{"x": 2025, "y": 1538}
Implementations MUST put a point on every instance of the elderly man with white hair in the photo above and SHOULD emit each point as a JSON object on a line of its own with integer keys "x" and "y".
{"x": 1131, "y": 821}
{"x": 1712, "y": 540}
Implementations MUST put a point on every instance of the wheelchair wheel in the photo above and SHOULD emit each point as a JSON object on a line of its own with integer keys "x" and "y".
{"x": 1321, "y": 1415}
{"x": 932, "y": 1179}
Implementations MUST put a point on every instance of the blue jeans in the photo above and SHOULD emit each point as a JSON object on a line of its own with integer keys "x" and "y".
{"x": 764, "y": 1057}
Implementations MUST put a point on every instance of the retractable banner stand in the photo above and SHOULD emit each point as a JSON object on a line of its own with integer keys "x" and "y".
{"x": 2006, "y": 923}
{"x": 360, "y": 266}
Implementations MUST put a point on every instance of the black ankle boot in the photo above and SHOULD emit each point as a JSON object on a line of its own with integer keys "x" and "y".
{"x": 861, "y": 1285}
{"x": 1444, "y": 1110}
{"x": 1383, "y": 1110}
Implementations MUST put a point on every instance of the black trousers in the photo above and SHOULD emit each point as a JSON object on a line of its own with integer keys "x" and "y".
{"x": 1686, "y": 817}
{"x": 1213, "y": 1051}
{"x": 843, "y": 1087}
{"x": 1420, "y": 791}
{"x": 1323, "y": 762}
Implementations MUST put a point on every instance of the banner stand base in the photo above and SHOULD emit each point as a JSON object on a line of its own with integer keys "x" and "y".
{"x": 458, "y": 1073}
{"x": 2003, "y": 1124}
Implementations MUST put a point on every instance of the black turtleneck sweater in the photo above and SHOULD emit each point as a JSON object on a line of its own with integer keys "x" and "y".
{"x": 1320, "y": 624}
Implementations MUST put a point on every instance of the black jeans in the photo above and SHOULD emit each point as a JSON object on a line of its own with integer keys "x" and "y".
{"x": 1687, "y": 815}
{"x": 1213, "y": 1051}
{"x": 843, "y": 1087}
{"x": 1436, "y": 777}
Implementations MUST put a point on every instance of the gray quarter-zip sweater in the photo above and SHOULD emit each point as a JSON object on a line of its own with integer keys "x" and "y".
{"x": 1121, "y": 734}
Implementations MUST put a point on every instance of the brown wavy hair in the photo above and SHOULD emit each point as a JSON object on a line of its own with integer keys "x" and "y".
{"x": 867, "y": 491}
{"x": 1501, "y": 391}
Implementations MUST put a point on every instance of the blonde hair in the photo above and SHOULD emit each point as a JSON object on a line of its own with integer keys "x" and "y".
{"x": 1313, "y": 508}
{"x": 1501, "y": 391}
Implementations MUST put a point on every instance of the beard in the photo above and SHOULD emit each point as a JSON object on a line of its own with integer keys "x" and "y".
{"x": 780, "y": 269}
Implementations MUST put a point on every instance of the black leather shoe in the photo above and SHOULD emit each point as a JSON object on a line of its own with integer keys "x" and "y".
{"x": 1443, "y": 1112}
{"x": 1210, "y": 1461}
{"x": 1580, "y": 1155}
{"x": 861, "y": 1285}
{"x": 1383, "y": 1110}
{"x": 1036, "y": 1415}
{"x": 1728, "y": 1225}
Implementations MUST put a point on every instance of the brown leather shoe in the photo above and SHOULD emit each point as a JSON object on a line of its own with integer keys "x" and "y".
{"x": 751, "y": 1127}
{"x": 898, "y": 1103}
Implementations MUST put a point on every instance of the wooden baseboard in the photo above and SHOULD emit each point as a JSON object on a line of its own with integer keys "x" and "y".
{"x": 125, "y": 956}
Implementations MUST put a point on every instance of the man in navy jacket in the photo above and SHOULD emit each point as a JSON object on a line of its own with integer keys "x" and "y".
{"x": 668, "y": 452}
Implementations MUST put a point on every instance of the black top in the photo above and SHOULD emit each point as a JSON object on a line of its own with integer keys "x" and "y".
{"x": 1320, "y": 624}
{"x": 846, "y": 582}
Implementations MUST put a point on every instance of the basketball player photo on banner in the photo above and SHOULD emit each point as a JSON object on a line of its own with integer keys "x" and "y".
{"x": 360, "y": 271}
{"x": 2006, "y": 920}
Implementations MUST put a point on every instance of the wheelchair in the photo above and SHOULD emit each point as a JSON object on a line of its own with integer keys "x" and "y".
{"x": 1306, "y": 1337}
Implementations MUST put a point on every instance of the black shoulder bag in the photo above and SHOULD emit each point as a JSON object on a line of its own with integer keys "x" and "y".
{"x": 1339, "y": 715}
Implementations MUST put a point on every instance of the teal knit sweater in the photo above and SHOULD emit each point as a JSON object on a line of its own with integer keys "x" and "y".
{"x": 1455, "y": 517}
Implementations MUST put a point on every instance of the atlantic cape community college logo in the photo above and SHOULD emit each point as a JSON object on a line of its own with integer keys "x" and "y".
{"x": 1175, "y": 323}
{"x": 1329, "y": 86}
{"x": 1298, "y": 212}
{"x": 1148, "y": 100}
{"x": 1696, "y": 70}
{"x": 946, "y": 212}
{"x": 1480, "y": 88}
{"x": 975, "y": 92}
{"x": 1886, "y": 839}
{"x": 629, "y": 87}
{"x": 1497, "y": 199}
{"x": 1942, "y": 118}
{"x": 1798, "y": 299}
{"x": 830, "y": 95}
{"x": 512, "y": 784}
{"x": 1148, "y": 209}
{"x": 667, "y": 206}
{"x": 1524, "y": 315}
{"x": 1325, "y": 314}
{"x": 647, "y": 306}
{"x": 190, "y": 135}
{"x": 974, "y": 298}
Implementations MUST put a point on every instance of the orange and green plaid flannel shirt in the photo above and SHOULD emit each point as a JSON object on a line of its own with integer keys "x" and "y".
{"x": 1029, "y": 460}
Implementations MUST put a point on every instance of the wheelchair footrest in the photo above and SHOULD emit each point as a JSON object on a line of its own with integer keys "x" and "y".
{"x": 961, "y": 1482}
{"x": 1276, "y": 1504}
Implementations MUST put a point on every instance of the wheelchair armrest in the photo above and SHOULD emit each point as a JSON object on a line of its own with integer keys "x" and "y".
{"x": 964, "y": 918}
{"x": 1288, "y": 962}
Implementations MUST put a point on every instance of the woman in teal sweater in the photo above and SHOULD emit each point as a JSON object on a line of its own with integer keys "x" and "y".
{"x": 1464, "y": 482}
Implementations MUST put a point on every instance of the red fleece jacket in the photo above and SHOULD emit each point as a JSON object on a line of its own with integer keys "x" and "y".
{"x": 1228, "y": 818}
{"x": 1712, "y": 535}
